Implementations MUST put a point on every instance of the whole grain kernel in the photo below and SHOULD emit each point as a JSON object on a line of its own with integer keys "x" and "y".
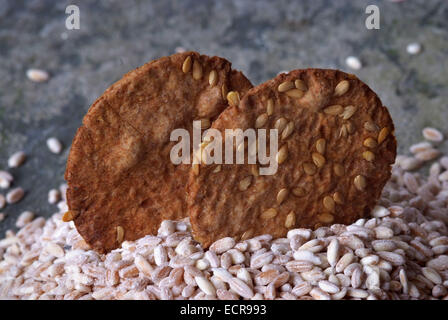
{"x": 269, "y": 214}
{"x": 349, "y": 111}
{"x": 341, "y": 88}
{"x": 370, "y": 143}
{"x": 280, "y": 124}
{"x": 261, "y": 120}
{"x": 290, "y": 220}
{"x": 334, "y": 110}
{"x": 54, "y": 145}
{"x": 213, "y": 78}
{"x": 289, "y": 129}
{"x": 68, "y": 216}
{"x": 197, "y": 70}
{"x": 329, "y": 203}
{"x": 325, "y": 218}
{"x": 270, "y": 107}
{"x": 383, "y": 135}
{"x": 320, "y": 145}
{"x": 120, "y": 234}
{"x": 370, "y": 126}
{"x": 295, "y": 93}
{"x": 234, "y": 98}
{"x": 285, "y": 86}
{"x": 300, "y": 84}
{"x": 318, "y": 159}
{"x": 245, "y": 183}
{"x": 360, "y": 182}
{"x": 368, "y": 155}
{"x": 224, "y": 91}
{"x": 186, "y": 66}
{"x": 298, "y": 192}
{"x": 282, "y": 154}
{"x": 309, "y": 168}
{"x": 338, "y": 198}
{"x": 338, "y": 169}
{"x": 281, "y": 195}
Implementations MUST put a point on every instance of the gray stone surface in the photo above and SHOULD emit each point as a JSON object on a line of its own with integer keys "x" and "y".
{"x": 260, "y": 37}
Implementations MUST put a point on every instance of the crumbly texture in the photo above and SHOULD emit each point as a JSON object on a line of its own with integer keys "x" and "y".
{"x": 336, "y": 147}
{"x": 119, "y": 171}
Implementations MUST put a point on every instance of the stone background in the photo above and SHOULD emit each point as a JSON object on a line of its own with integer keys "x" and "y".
{"x": 260, "y": 37}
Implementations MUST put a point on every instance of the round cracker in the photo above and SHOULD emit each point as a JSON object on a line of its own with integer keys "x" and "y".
{"x": 121, "y": 181}
{"x": 335, "y": 163}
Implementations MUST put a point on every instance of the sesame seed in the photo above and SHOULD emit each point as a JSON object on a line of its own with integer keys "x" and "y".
{"x": 224, "y": 91}
{"x": 339, "y": 170}
{"x": 298, "y": 192}
{"x": 318, "y": 159}
{"x": 245, "y": 183}
{"x": 360, "y": 182}
{"x": 295, "y": 93}
{"x": 383, "y": 135}
{"x": 334, "y": 110}
{"x": 300, "y": 84}
{"x": 341, "y": 88}
{"x": 37, "y": 75}
{"x": 370, "y": 126}
{"x": 217, "y": 169}
{"x": 270, "y": 107}
{"x": 269, "y": 214}
{"x": 261, "y": 120}
{"x": 15, "y": 195}
{"x": 290, "y": 220}
{"x": 285, "y": 86}
{"x": 432, "y": 134}
{"x": 370, "y": 143}
{"x": 282, "y": 154}
{"x": 349, "y": 111}
{"x": 280, "y": 124}
{"x": 281, "y": 195}
{"x": 213, "y": 78}
{"x": 328, "y": 203}
{"x": 413, "y": 48}
{"x": 368, "y": 155}
{"x": 326, "y": 218}
{"x": 234, "y": 98}
{"x": 17, "y": 159}
{"x": 186, "y": 66}
{"x": 54, "y": 145}
{"x": 197, "y": 70}
{"x": 320, "y": 145}
{"x": 288, "y": 130}
{"x": 120, "y": 234}
{"x": 309, "y": 168}
{"x": 337, "y": 197}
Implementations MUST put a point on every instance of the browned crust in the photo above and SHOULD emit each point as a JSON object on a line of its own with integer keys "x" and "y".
{"x": 119, "y": 171}
{"x": 217, "y": 207}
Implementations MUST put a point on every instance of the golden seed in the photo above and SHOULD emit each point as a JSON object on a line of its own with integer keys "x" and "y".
{"x": 368, "y": 155}
{"x": 285, "y": 86}
{"x": 370, "y": 126}
{"x": 318, "y": 159}
{"x": 281, "y": 195}
{"x": 341, "y": 88}
{"x": 268, "y": 214}
{"x": 224, "y": 91}
{"x": 334, "y": 110}
{"x": 186, "y": 66}
{"x": 329, "y": 203}
{"x": 120, "y": 234}
{"x": 326, "y": 218}
{"x": 197, "y": 70}
{"x": 360, "y": 182}
{"x": 196, "y": 169}
{"x": 295, "y": 93}
{"x": 288, "y": 130}
{"x": 320, "y": 145}
{"x": 213, "y": 78}
{"x": 383, "y": 135}
{"x": 337, "y": 197}
{"x": 254, "y": 170}
{"x": 234, "y": 98}
{"x": 350, "y": 127}
{"x": 245, "y": 183}
{"x": 261, "y": 120}
{"x": 68, "y": 216}
{"x": 217, "y": 169}
{"x": 343, "y": 132}
{"x": 282, "y": 154}
{"x": 298, "y": 192}
{"x": 270, "y": 107}
{"x": 300, "y": 84}
{"x": 205, "y": 123}
{"x": 370, "y": 143}
{"x": 309, "y": 168}
{"x": 280, "y": 124}
{"x": 290, "y": 220}
{"x": 339, "y": 170}
{"x": 349, "y": 111}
